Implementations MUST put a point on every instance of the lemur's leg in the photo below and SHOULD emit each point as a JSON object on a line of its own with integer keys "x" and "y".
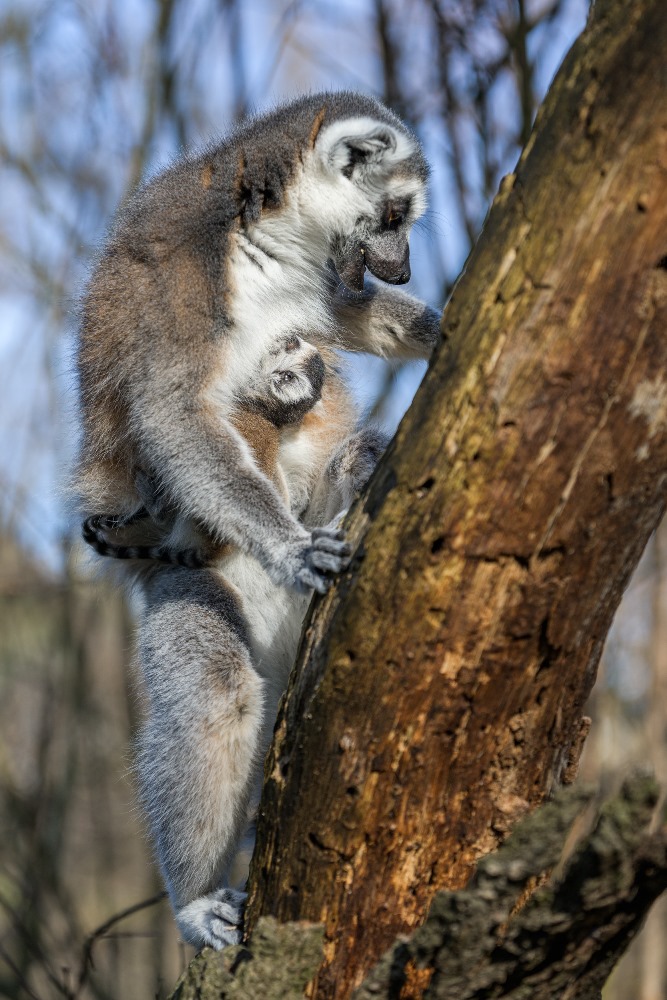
{"x": 385, "y": 321}
{"x": 197, "y": 752}
{"x": 345, "y": 475}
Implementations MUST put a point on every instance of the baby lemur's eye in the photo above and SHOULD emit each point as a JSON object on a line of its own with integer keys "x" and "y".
{"x": 286, "y": 376}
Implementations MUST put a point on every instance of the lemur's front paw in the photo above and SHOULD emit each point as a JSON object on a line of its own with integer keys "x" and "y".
{"x": 327, "y": 554}
{"x": 215, "y": 920}
{"x": 310, "y": 563}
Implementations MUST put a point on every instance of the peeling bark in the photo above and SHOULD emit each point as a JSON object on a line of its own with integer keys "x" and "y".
{"x": 440, "y": 687}
{"x": 544, "y": 918}
{"x": 487, "y": 941}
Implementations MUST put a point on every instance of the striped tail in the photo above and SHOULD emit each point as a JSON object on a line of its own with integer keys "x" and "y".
{"x": 93, "y": 530}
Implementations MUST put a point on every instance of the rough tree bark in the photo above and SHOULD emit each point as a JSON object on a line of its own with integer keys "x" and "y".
{"x": 440, "y": 687}
{"x": 545, "y": 918}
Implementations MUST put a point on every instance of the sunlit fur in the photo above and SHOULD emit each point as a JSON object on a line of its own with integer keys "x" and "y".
{"x": 207, "y": 266}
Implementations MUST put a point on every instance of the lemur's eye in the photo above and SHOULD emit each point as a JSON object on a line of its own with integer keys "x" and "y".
{"x": 286, "y": 376}
{"x": 395, "y": 212}
{"x": 392, "y": 219}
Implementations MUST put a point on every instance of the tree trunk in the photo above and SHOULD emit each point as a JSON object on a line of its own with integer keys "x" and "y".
{"x": 546, "y": 917}
{"x": 440, "y": 687}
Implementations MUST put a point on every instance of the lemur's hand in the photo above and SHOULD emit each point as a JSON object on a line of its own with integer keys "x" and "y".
{"x": 309, "y": 562}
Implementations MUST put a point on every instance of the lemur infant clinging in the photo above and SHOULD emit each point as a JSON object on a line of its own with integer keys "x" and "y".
{"x": 286, "y": 385}
{"x": 207, "y": 266}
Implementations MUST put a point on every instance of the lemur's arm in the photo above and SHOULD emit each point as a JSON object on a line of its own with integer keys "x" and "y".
{"x": 384, "y": 321}
{"x": 210, "y": 474}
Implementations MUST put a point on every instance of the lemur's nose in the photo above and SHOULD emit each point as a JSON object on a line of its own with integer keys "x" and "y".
{"x": 401, "y": 277}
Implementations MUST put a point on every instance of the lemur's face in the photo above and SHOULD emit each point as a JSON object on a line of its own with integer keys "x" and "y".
{"x": 377, "y": 189}
{"x": 380, "y": 246}
{"x": 288, "y": 382}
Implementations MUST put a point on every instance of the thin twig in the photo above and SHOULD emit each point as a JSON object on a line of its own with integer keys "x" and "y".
{"x": 33, "y": 946}
{"x": 519, "y": 43}
{"x": 87, "y": 958}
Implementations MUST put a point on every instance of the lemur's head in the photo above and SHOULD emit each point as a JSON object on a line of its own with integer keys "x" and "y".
{"x": 288, "y": 382}
{"x": 375, "y": 175}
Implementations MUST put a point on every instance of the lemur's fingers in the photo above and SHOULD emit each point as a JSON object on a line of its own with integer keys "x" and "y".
{"x": 333, "y": 542}
{"x": 329, "y": 561}
{"x": 310, "y": 579}
{"x": 327, "y": 555}
{"x": 329, "y": 532}
{"x": 215, "y": 920}
{"x": 222, "y": 935}
{"x": 306, "y": 566}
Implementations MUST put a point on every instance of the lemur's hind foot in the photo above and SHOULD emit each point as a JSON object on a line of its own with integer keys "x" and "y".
{"x": 215, "y": 920}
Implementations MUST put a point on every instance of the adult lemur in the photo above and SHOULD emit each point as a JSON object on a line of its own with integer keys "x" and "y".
{"x": 208, "y": 266}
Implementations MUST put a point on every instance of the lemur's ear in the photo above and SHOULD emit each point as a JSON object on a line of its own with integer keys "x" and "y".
{"x": 357, "y": 143}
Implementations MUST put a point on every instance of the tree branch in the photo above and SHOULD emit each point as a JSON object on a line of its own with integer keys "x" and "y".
{"x": 546, "y": 917}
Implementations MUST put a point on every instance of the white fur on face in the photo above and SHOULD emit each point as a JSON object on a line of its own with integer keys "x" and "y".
{"x": 377, "y": 178}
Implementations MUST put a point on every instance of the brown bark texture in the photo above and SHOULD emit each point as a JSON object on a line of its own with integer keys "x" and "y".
{"x": 544, "y": 918}
{"x": 547, "y": 916}
{"x": 440, "y": 687}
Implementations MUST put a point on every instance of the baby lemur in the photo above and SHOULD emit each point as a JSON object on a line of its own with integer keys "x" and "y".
{"x": 208, "y": 268}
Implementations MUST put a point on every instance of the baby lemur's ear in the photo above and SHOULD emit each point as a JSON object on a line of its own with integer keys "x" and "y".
{"x": 359, "y": 144}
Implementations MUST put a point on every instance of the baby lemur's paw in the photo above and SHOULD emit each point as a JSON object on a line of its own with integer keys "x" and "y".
{"x": 215, "y": 920}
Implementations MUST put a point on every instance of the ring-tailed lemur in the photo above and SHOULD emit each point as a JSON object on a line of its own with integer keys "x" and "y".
{"x": 214, "y": 260}
{"x": 206, "y": 268}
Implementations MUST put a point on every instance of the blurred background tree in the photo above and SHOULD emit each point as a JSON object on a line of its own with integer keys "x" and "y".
{"x": 93, "y": 98}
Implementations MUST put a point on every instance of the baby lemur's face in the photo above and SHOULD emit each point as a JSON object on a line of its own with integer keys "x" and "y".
{"x": 288, "y": 382}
